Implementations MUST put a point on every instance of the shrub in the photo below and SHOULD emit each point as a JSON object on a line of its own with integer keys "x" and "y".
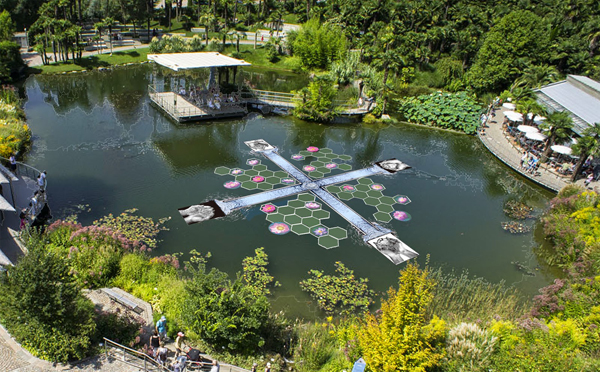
{"x": 318, "y": 44}
{"x": 255, "y": 274}
{"x": 342, "y": 292}
{"x": 315, "y": 347}
{"x": 315, "y": 103}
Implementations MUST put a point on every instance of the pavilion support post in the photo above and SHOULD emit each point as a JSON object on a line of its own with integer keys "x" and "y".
{"x": 211, "y": 77}
{"x": 227, "y": 75}
{"x": 234, "y": 73}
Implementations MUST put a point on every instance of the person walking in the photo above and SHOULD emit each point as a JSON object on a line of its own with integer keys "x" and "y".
{"x": 268, "y": 368}
{"x": 41, "y": 183}
{"x": 161, "y": 353}
{"x": 179, "y": 344}
{"x": 161, "y": 327}
{"x": 215, "y": 366}
{"x": 154, "y": 342}
{"x": 13, "y": 164}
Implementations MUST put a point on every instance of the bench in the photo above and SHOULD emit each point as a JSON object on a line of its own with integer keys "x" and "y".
{"x": 122, "y": 300}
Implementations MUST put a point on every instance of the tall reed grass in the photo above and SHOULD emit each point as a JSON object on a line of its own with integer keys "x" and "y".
{"x": 461, "y": 298}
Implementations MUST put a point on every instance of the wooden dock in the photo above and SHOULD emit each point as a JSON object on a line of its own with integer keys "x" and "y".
{"x": 181, "y": 110}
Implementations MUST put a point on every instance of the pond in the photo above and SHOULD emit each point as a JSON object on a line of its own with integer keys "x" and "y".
{"x": 107, "y": 150}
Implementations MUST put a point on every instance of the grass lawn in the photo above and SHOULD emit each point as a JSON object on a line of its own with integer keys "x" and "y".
{"x": 94, "y": 61}
{"x": 258, "y": 57}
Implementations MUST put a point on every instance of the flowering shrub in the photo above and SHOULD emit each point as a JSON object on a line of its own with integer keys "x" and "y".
{"x": 469, "y": 348}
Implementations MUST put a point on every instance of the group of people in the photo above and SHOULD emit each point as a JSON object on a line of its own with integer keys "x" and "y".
{"x": 530, "y": 162}
{"x": 160, "y": 353}
{"x": 37, "y": 201}
{"x": 211, "y": 98}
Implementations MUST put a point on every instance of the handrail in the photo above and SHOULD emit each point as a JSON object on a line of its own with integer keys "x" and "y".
{"x": 154, "y": 365}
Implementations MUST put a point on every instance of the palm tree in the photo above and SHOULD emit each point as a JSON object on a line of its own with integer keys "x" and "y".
{"x": 529, "y": 106}
{"x": 585, "y": 146}
{"x": 535, "y": 76}
{"x": 207, "y": 19}
{"x": 558, "y": 125}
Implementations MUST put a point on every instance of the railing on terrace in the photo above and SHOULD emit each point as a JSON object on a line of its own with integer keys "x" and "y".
{"x": 24, "y": 171}
{"x": 132, "y": 357}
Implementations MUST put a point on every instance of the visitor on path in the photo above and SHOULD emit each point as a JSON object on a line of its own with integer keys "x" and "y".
{"x": 254, "y": 367}
{"x": 524, "y": 159}
{"x": 33, "y": 204}
{"x": 13, "y": 164}
{"x": 161, "y": 353}
{"x": 179, "y": 365}
{"x": 268, "y": 368}
{"x": 179, "y": 344}
{"x": 161, "y": 327}
{"x": 154, "y": 342}
{"x": 41, "y": 183}
{"x": 23, "y": 217}
{"x": 589, "y": 179}
{"x": 215, "y": 366}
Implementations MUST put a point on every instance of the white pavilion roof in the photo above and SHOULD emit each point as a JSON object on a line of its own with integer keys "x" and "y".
{"x": 185, "y": 61}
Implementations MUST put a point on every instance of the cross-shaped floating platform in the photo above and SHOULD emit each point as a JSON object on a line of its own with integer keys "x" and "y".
{"x": 304, "y": 214}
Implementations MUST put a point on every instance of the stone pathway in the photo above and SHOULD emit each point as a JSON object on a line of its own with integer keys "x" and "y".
{"x": 33, "y": 59}
{"x": 499, "y": 144}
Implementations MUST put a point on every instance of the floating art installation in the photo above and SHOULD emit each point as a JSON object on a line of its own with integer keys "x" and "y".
{"x": 313, "y": 190}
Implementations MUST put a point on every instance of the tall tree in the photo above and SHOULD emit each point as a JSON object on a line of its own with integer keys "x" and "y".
{"x": 587, "y": 145}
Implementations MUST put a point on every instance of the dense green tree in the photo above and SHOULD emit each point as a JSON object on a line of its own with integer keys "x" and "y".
{"x": 587, "y": 145}
{"x": 10, "y": 55}
{"x": 318, "y": 45}
{"x": 43, "y": 308}
{"x": 222, "y": 312}
{"x": 519, "y": 36}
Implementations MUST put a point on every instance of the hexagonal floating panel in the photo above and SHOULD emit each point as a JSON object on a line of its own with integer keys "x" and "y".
{"x": 251, "y": 173}
{"x": 345, "y": 167}
{"x": 331, "y": 165}
{"x": 364, "y": 181}
{"x": 310, "y": 221}
{"x": 296, "y": 203}
{"x": 300, "y": 229}
{"x": 345, "y": 157}
{"x": 272, "y": 180}
{"x": 325, "y": 150}
{"x": 305, "y": 153}
{"x": 371, "y": 201}
{"x": 385, "y": 208}
{"x": 360, "y": 195}
{"x": 317, "y": 164}
{"x": 402, "y": 199}
{"x": 345, "y": 195}
{"x": 292, "y": 219}
{"x": 266, "y": 173}
{"x": 280, "y": 174}
{"x": 253, "y": 162}
{"x": 363, "y": 188}
{"x": 316, "y": 174}
{"x": 375, "y": 193}
{"x": 321, "y": 214}
{"x": 382, "y": 217}
{"x": 275, "y": 217}
{"x": 331, "y": 156}
{"x": 328, "y": 242}
{"x": 286, "y": 210}
{"x": 387, "y": 200}
{"x": 265, "y": 186}
{"x": 260, "y": 167}
{"x": 338, "y": 233}
{"x": 401, "y": 216}
{"x": 303, "y": 212}
{"x": 333, "y": 189}
{"x": 249, "y": 185}
{"x": 319, "y": 231}
{"x": 324, "y": 170}
{"x": 236, "y": 171}
{"x": 243, "y": 178}
{"x": 306, "y": 197}
{"x": 221, "y": 171}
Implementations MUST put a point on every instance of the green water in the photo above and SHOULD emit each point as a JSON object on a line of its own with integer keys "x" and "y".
{"x": 105, "y": 147}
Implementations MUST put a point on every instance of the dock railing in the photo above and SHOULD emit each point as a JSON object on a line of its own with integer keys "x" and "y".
{"x": 132, "y": 357}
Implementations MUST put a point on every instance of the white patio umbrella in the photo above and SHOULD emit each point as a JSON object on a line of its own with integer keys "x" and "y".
{"x": 527, "y": 129}
{"x": 536, "y": 136}
{"x": 562, "y": 149}
{"x": 509, "y": 106}
{"x": 513, "y": 116}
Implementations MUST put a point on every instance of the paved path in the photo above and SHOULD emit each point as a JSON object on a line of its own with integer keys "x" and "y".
{"x": 34, "y": 59}
{"x": 499, "y": 144}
